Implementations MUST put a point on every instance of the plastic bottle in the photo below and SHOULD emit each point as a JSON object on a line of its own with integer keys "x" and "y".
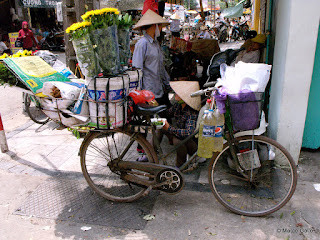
{"x": 201, "y": 112}
{"x": 206, "y": 135}
{"x": 218, "y": 132}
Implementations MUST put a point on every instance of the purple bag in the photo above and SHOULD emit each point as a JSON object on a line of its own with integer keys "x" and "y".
{"x": 244, "y": 110}
{"x": 221, "y": 98}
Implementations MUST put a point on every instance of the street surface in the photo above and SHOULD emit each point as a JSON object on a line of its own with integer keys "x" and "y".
{"x": 43, "y": 195}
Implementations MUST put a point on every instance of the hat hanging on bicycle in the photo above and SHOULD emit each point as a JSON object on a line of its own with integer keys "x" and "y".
{"x": 150, "y": 18}
{"x": 184, "y": 89}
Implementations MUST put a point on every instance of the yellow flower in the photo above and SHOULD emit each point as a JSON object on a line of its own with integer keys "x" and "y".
{"x": 87, "y": 15}
{"x": 98, "y": 12}
{"x": 25, "y": 52}
{"x": 78, "y": 25}
{"x": 4, "y": 56}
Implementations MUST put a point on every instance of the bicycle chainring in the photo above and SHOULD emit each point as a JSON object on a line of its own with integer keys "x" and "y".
{"x": 174, "y": 178}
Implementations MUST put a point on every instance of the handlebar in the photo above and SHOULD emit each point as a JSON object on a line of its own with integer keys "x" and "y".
{"x": 197, "y": 93}
{"x": 201, "y": 92}
{"x": 210, "y": 84}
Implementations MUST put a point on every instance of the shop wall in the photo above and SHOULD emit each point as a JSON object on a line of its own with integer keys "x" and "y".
{"x": 296, "y": 28}
{"x": 311, "y": 135}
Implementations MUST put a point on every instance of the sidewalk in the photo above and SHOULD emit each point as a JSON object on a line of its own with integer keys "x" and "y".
{"x": 43, "y": 195}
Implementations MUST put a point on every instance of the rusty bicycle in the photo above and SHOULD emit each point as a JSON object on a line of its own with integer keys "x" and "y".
{"x": 252, "y": 175}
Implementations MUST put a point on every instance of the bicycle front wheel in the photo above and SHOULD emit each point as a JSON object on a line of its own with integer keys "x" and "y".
{"x": 34, "y": 110}
{"x": 98, "y": 149}
{"x": 265, "y": 183}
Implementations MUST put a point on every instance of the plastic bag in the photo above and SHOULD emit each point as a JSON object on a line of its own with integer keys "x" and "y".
{"x": 107, "y": 49}
{"x": 63, "y": 69}
{"x": 57, "y": 115}
{"x": 253, "y": 76}
{"x": 81, "y": 107}
{"x": 47, "y": 56}
{"x": 69, "y": 93}
{"x": 244, "y": 76}
{"x": 85, "y": 56}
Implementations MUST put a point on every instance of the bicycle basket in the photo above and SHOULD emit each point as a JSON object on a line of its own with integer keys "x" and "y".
{"x": 245, "y": 110}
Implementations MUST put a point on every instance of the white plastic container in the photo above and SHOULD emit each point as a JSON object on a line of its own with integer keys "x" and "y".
{"x": 135, "y": 78}
{"x": 160, "y": 126}
{"x": 116, "y": 109}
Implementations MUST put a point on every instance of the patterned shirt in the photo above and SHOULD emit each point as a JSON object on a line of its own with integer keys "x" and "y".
{"x": 186, "y": 120}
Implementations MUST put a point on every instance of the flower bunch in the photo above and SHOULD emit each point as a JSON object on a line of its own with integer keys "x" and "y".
{"x": 79, "y": 29}
{"x": 125, "y": 22}
{"x": 88, "y": 15}
{"x": 102, "y": 18}
{"x": 20, "y": 53}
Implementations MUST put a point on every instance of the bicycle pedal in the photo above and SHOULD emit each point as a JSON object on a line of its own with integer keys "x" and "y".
{"x": 191, "y": 168}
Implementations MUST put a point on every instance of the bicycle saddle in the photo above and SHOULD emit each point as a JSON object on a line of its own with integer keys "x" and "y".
{"x": 146, "y": 110}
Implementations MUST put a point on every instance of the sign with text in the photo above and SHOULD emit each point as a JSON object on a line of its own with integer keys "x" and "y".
{"x": 13, "y": 37}
{"x": 39, "y": 3}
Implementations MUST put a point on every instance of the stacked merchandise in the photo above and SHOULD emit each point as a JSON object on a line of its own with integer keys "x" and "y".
{"x": 102, "y": 45}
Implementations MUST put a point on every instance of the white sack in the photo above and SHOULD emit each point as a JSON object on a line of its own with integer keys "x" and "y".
{"x": 69, "y": 93}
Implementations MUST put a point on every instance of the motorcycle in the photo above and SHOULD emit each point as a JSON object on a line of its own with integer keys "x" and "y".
{"x": 243, "y": 29}
{"x": 53, "y": 42}
{"x": 221, "y": 30}
{"x": 235, "y": 34}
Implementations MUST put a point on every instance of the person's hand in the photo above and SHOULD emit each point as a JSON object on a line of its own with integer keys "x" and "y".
{"x": 166, "y": 126}
{"x": 24, "y": 36}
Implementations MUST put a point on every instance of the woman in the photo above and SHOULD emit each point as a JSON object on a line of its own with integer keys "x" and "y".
{"x": 27, "y": 37}
{"x": 148, "y": 56}
{"x": 185, "y": 112}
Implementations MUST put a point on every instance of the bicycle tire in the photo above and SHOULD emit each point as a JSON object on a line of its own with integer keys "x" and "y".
{"x": 274, "y": 184}
{"x": 97, "y": 149}
{"x": 33, "y": 109}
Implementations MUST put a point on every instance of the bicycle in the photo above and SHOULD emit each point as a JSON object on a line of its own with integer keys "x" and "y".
{"x": 251, "y": 176}
{"x": 33, "y": 108}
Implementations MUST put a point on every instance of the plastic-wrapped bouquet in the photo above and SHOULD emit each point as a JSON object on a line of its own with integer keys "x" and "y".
{"x": 100, "y": 35}
{"x": 79, "y": 35}
{"x": 104, "y": 36}
{"x": 124, "y": 24}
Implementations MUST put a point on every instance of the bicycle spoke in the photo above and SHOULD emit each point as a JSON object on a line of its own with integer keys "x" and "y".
{"x": 95, "y": 155}
{"x": 271, "y": 186}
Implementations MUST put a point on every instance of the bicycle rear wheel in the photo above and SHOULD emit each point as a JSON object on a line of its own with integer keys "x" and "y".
{"x": 268, "y": 184}
{"x": 34, "y": 110}
{"x": 98, "y": 149}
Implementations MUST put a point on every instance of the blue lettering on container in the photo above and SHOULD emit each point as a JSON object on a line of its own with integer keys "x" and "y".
{"x": 208, "y": 131}
{"x": 113, "y": 94}
{"x": 133, "y": 85}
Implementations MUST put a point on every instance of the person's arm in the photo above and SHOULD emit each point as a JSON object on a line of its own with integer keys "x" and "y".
{"x": 3, "y": 46}
{"x": 33, "y": 39}
{"x": 190, "y": 127}
{"x": 139, "y": 54}
{"x": 19, "y": 35}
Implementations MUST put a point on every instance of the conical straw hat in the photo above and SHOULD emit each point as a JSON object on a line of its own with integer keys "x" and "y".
{"x": 149, "y": 18}
{"x": 175, "y": 17}
{"x": 184, "y": 89}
